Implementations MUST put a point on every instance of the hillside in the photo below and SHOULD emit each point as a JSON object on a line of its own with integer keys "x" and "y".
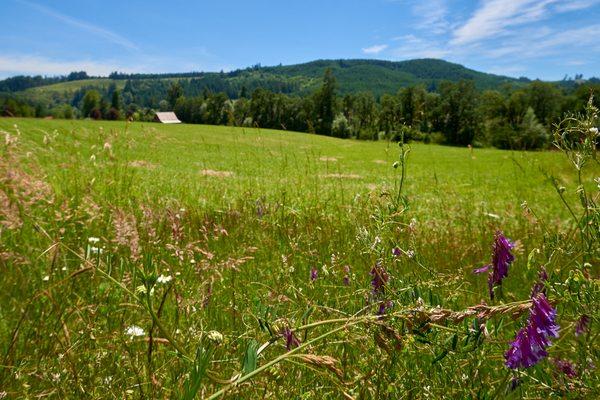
{"x": 376, "y": 76}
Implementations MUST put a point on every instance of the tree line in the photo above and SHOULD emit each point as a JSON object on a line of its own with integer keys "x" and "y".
{"x": 455, "y": 113}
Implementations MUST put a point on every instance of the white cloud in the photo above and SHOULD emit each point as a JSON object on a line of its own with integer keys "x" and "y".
{"x": 83, "y": 25}
{"x": 375, "y": 49}
{"x": 493, "y": 17}
{"x": 34, "y": 64}
{"x": 432, "y": 16}
{"x": 576, "y": 5}
{"x": 38, "y": 65}
{"x": 411, "y": 46}
{"x": 550, "y": 42}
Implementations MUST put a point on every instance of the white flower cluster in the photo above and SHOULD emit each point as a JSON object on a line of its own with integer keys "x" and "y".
{"x": 134, "y": 330}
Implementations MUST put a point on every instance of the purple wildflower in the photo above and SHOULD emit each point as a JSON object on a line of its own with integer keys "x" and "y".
{"x": 380, "y": 278}
{"x": 566, "y": 367}
{"x": 314, "y": 274}
{"x": 396, "y": 252}
{"x": 543, "y": 316}
{"x": 347, "y": 275}
{"x": 501, "y": 259}
{"x": 529, "y": 346}
{"x": 539, "y": 286}
{"x": 582, "y": 325}
{"x": 383, "y": 306}
{"x": 291, "y": 341}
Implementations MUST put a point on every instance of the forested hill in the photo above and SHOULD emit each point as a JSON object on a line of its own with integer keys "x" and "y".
{"x": 379, "y": 76}
{"x": 353, "y": 76}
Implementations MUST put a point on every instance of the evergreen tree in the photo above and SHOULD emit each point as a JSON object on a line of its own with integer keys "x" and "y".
{"x": 91, "y": 101}
{"x": 325, "y": 104}
{"x": 175, "y": 92}
{"x": 116, "y": 100}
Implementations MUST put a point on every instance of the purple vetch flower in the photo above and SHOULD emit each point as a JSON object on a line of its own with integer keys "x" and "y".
{"x": 314, "y": 274}
{"x": 543, "y": 316}
{"x": 396, "y": 252}
{"x": 531, "y": 341}
{"x": 383, "y": 306}
{"x": 528, "y": 348}
{"x": 566, "y": 367}
{"x": 582, "y": 325}
{"x": 379, "y": 279}
{"x": 539, "y": 286}
{"x": 501, "y": 259}
{"x": 291, "y": 341}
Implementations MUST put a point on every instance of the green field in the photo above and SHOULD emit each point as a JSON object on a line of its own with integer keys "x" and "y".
{"x": 238, "y": 218}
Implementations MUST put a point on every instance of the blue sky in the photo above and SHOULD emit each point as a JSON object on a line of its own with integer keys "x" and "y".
{"x": 543, "y": 39}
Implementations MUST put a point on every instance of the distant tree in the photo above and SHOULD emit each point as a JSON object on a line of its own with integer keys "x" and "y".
{"x": 412, "y": 102}
{"x": 532, "y": 133}
{"x": 91, "y": 101}
{"x": 96, "y": 113}
{"x": 364, "y": 116}
{"x": 544, "y": 98}
{"x": 459, "y": 105}
{"x": 243, "y": 93}
{"x": 116, "y": 100}
{"x": 163, "y": 105}
{"x": 389, "y": 114}
{"x": 104, "y": 106}
{"x": 175, "y": 92}
{"x": 325, "y": 104}
{"x": 340, "y": 127}
{"x": 77, "y": 76}
{"x": 113, "y": 114}
{"x": 216, "y": 110}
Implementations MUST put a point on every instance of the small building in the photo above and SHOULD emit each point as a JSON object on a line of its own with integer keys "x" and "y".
{"x": 167, "y": 118}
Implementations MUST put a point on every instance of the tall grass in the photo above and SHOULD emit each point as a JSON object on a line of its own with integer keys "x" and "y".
{"x": 180, "y": 262}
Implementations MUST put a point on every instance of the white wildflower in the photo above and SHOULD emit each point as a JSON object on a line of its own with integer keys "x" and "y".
{"x": 134, "y": 330}
{"x": 93, "y": 158}
{"x": 96, "y": 250}
{"x": 594, "y": 130}
{"x": 46, "y": 278}
{"x": 410, "y": 253}
{"x": 215, "y": 336}
{"x": 93, "y": 240}
{"x": 143, "y": 290}
{"x": 164, "y": 279}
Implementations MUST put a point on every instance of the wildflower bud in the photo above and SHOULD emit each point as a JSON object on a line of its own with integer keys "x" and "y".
{"x": 396, "y": 165}
{"x": 562, "y": 189}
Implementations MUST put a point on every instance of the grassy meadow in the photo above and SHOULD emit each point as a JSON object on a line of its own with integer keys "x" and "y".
{"x": 173, "y": 261}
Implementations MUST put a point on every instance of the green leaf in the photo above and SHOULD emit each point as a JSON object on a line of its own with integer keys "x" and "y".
{"x": 251, "y": 357}
{"x": 440, "y": 356}
{"x": 197, "y": 373}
